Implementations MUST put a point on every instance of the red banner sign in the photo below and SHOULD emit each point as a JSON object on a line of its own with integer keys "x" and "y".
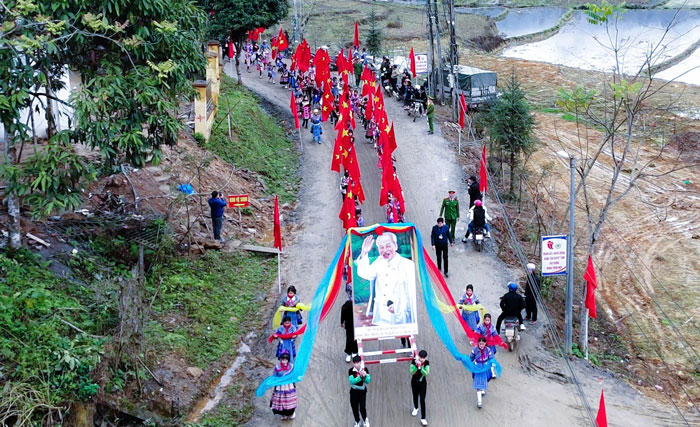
{"x": 238, "y": 201}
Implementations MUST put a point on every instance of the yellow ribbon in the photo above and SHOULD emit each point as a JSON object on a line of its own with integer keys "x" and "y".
{"x": 277, "y": 318}
{"x": 473, "y": 307}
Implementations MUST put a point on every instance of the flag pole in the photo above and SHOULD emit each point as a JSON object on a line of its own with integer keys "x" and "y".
{"x": 459, "y": 144}
{"x": 301, "y": 142}
{"x": 279, "y": 271}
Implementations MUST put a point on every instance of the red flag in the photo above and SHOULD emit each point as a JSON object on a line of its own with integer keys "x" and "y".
{"x": 347, "y": 212}
{"x": 601, "y": 419}
{"x": 462, "y": 109}
{"x": 483, "y": 175}
{"x": 391, "y": 142}
{"x": 356, "y": 42}
{"x": 231, "y": 49}
{"x": 282, "y": 43}
{"x": 339, "y": 149}
{"x": 412, "y": 57}
{"x": 328, "y": 100}
{"x": 589, "y": 277}
{"x": 369, "y": 108}
{"x": 278, "y": 228}
{"x": 293, "y": 106}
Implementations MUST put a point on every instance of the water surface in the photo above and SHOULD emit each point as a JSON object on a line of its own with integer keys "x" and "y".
{"x": 520, "y": 22}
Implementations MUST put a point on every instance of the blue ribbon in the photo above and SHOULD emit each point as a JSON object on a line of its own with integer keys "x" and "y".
{"x": 301, "y": 362}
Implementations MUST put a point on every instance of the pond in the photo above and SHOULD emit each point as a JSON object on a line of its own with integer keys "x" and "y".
{"x": 519, "y": 22}
{"x": 583, "y": 45}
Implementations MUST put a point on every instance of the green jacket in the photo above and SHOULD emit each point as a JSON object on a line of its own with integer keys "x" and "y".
{"x": 430, "y": 111}
{"x": 450, "y": 208}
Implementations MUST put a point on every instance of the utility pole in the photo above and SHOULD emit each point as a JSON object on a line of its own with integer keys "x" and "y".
{"x": 432, "y": 79}
{"x": 450, "y": 4}
{"x": 568, "y": 314}
{"x": 439, "y": 54}
{"x": 296, "y": 22}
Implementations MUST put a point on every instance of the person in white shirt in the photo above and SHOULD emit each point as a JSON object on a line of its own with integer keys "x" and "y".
{"x": 395, "y": 281}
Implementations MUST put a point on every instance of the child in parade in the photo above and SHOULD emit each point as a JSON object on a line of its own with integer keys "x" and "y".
{"x": 305, "y": 112}
{"x": 419, "y": 369}
{"x": 359, "y": 378}
{"x": 359, "y": 217}
{"x": 335, "y": 112}
{"x": 284, "y": 397}
{"x": 488, "y": 330}
{"x": 316, "y": 128}
{"x": 470, "y": 298}
{"x": 286, "y": 344}
{"x": 481, "y": 355}
{"x": 290, "y": 299}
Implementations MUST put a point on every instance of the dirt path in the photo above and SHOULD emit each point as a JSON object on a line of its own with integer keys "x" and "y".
{"x": 535, "y": 395}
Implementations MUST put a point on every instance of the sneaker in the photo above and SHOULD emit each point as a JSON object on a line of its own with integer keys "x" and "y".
{"x": 319, "y": 142}
{"x": 447, "y": 275}
{"x": 294, "y": 415}
{"x": 283, "y": 417}
{"x": 464, "y": 240}
{"x": 494, "y": 375}
{"x": 366, "y": 422}
{"x": 424, "y": 422}
{"x": 356, "y": 425}
{"x": 488, "y": 234}
{"x": 414, "y": 412}
{"x": 347, "y": 358}
{"x": 478, "y": 399}
{"x": 522, "y": 327}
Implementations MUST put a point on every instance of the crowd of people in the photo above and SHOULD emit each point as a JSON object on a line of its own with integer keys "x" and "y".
{"x": 351, "y": 96}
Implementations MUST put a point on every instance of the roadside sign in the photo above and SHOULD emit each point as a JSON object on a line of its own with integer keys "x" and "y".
{"x": 238, "y": 201}
{"x": 421, "y": 63}
{"x": 554, "y": 255}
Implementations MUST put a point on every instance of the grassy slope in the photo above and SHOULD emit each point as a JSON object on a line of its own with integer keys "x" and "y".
{"x": 259, "y": 143}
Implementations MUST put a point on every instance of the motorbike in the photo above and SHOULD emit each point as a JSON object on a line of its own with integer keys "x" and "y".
{"x": 416, "y": 110}
{"x": 478, "y": 238}
{"x": 512, "y": 332}
{"x": 388, "y": 89}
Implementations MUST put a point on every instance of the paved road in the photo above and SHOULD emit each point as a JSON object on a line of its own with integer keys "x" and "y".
{"x": 427, "y": 168}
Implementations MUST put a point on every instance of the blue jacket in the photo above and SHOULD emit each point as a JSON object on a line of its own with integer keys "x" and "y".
{"x": 438, "y": 232}
{"x": 217, "y": 207}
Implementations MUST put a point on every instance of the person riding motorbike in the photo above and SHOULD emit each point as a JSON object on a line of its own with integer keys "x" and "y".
{"x": 385, "y": 68}
{"x": 408, "y": 95}
{"x": 512, "y": 304}
{"x": 478, "y": 217}
{"x": 394, "y": 77}
{"x": 422, "y": 97}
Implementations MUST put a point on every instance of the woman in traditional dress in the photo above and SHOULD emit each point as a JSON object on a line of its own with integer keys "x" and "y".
{"x": 286, "y": 344}
{"x": 284, "y": 397}
{"x": 470, "y": 298}
{"x": 291, "y": 300}
{"x": 488, "y": 331}
{"x": 481, "y": 356}
{"x": 316, "y": 128}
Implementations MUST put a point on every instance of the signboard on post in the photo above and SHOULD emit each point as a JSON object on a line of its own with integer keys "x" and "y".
{"x": 238, "y": 201}
{"x": 554, "y": 255}
{"x": 421, "y": 63}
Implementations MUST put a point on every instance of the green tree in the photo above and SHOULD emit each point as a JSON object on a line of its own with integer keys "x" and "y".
{"x": 134, "y": 62}
{"x": 234, "y": 18}
{"x": 374, "y": 36}
{"x": 510, "y": 125}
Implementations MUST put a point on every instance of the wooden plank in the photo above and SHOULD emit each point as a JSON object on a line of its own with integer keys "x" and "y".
{"x": 36, "y": 239}
{"x": 264, "y": 249}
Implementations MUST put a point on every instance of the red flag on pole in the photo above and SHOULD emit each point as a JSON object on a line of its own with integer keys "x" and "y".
{"x": 462, "y": 109}
{"x": 282, "y": 43}
{"x": 347, "y": 212}
{"x": 483, "y": 175}
{"x": 231, "y": 49}
{"x": 601, "y": 419}
{"x": 589, "y": 277}
{"x": 293, "y": 106}
{"x": 278, "y": 228}
{"x": 412, "y": 57}
{"x": 356, "y": 42}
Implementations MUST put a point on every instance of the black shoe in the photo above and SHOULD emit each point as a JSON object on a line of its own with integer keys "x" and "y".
{"x": 447, "y": 275}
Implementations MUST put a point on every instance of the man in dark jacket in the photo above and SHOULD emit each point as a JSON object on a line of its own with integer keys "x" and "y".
{"x": 439, "y": 238}
{"x": 511, "y": 304}
{"x": 474, "y": 193}
{"x": 531, "y": 281}
{"x": 217, "y": 205}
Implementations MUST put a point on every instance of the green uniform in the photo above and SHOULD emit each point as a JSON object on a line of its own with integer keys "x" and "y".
{"x": 358, "y": 73}
{"x": 431, "y": 115}
{"x": 451, "y": 210}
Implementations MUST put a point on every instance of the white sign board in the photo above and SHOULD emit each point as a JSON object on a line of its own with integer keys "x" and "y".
{"x": 421, "y": 63}
{"x": 554, "y": 255}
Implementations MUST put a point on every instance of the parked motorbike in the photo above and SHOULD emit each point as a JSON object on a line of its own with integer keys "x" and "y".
{"x": 512, "y": 332}
{"x": 388, "y": 89}
{"x": 416, "y": 110}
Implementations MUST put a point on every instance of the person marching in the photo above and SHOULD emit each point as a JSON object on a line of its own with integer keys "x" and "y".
{"x": 291, "y": 300}
{"x": 531, "y": 281}
{"x": 450, "y": 207}
{"x": 316, "y": 129}
{"x": 359, "y": 378}
{"x": 287, "y": 345}
{"x": 481, "y": 355}
{"x": 420, "y": 368}
{"x": 347, "y": 322}
{"x": 430, "y": 112}
{"x": 487, "y": 330}
{"x": 284, "y": 397}
{"x": 470, "y": 298}
{"x": 439, "y": 237}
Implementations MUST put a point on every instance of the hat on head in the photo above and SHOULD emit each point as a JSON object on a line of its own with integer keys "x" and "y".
{"x": 451, "y": 191}
{"x": 530, "y": 266}
{"x": 315, "y": 110}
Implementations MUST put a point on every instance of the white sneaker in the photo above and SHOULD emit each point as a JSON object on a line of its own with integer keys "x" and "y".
{"x": 356, "y": 425}
{"x": 493, "y": 372}
{"x": 365, "y": 423}
{"x": 347, "y": 358}
{"x": 414, "y": 412}
{"x": 488, "y": 233}
{"x": 294, "y": 415}
{"x": 464, "y": 240}
{"x": 522, "y": 327}
{"x": 424, "y": 422}
{"x": 478, "y": 399}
